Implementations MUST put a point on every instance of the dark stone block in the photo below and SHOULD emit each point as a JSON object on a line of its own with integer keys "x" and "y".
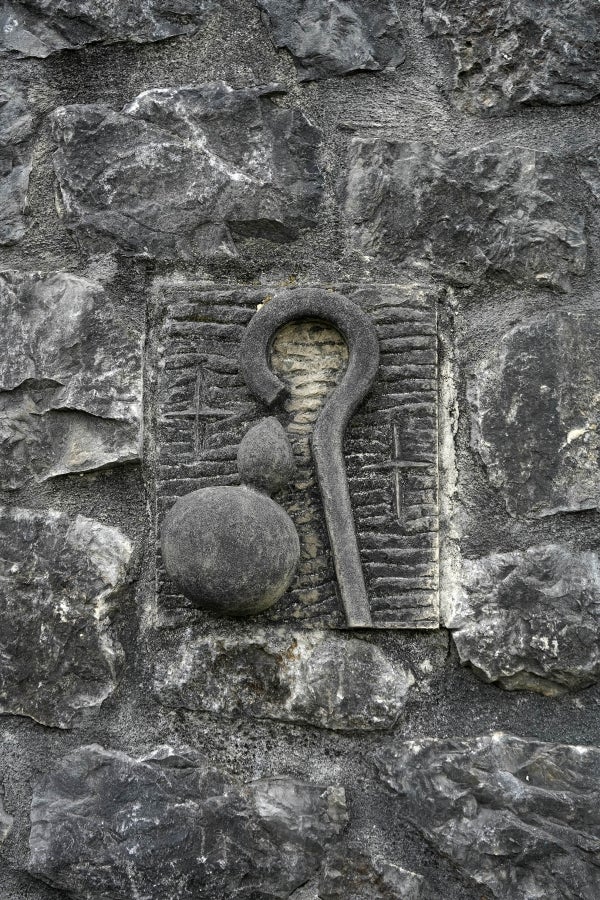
{"x": 182, "y": 172}
{"x": 70, "y": 379}
{"x": 465, "y": 214}
{"x": 522, "y": 53}
{"x": 333, "y": 37}
{"x": 530, "y": 620}
{"x": 535, "y": 409}
{"x": 6, "y": 821}
{"x": 350, "y": 873}
{"x": 42, "y": 27}
{"x": 15, "y": 162}
{"x": 310, "y": 677}
{"x": 520, "y": 818}
{"x": 61, "y": 580}
{"x": 169, "y": 825}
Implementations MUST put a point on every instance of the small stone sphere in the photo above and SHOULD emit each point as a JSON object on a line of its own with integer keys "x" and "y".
{"x": 265, "y": 457}
{"x": 231, "y": 550}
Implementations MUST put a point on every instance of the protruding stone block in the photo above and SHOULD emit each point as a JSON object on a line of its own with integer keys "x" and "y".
{"x": 182, "y": 172}
{"x": 530, "y": 619}
{"x": 309, "y": 677}
{"x": 43, "y": 27}
{"x": 184, "y": 829}
{"x": 535, "y": 412}
{"x": 531, "y": 52}
{"x": 15, "y": 162}
{"x": 509, "y": 211}
{"x": 61, "y": 579}
{"x": 70, "y": 379}
{"x": 351, "y": 873}
{"x": 519, "y": 817}
{"x": 6, "y": 822}
{"x": 334, "y": 37}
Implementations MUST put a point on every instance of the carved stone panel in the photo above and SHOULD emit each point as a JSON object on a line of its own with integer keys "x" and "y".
{"x": 204, "y": 408}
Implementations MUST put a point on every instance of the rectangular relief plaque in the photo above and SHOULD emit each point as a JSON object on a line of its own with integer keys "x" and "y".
{"x": 204, "y": 408}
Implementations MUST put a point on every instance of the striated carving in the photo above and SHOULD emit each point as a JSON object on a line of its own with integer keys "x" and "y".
{"x": 331, "y": 425}
{"x": 390, "y": 448}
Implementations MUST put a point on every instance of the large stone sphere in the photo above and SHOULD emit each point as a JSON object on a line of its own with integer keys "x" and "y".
{"x": 231, "y": 550}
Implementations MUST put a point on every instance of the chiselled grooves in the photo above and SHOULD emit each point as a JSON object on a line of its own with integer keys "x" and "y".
{"x": 329, "y": 431}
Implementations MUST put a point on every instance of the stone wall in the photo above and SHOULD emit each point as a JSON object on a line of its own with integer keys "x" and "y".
{"x": 448, "y": 149}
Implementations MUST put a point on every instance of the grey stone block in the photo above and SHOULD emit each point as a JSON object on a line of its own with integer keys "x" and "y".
{"x": 40, "y": 28}
{"x": 61, "y": 581}
{"x": 530, "y": 619}
{"x": 351, "y": 873}
{"x": 105, "y": 825}
{"x": 182, "y": 172}
{"x": 465, "y": 214}
{"x": 519, "y": 817}
{"x": 527, "y": 52}
{"x": 535, "y": 407}
{"x": 70, "y": 379}
{"x": 15, "y": 162}
{"x": 309, "y": 677}
{"x": 6, "y": 821}
{"x": 334, "y": 37}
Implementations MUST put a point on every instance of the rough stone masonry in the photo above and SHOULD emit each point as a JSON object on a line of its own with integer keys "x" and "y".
{"x": 167, "y": 167}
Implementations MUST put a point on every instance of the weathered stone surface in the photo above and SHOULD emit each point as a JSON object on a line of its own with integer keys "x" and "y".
{"x": 230, "y": 550}
{"x": 520, "y": 53}
{"x": 535, "y": 409}
{"x": 391, "y": 448}
{"x": 507, "y": 211}
{"x": 310, "y": 677}
{"x": 6, "y": 821}
{"x": 350, "y": 873}
{"x": 170, "y": 825}
{"x": 182, "y": 171}
{"x": 530, "y": 620}
{"x": 61, "y": 579}
{"x": 42, "y": 27}
{"x": 15, "y": 162}
{"x": 520, "y": 817}
{"x": 265, "y": 458}
{"x": 332, "y": 37}
{"x": 70, "y": 379}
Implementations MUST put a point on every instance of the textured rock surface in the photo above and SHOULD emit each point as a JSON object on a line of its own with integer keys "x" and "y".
{"x": 313, "y": 677}
{"x": 535, "y": 411}
{"x": 70, "y": 379}
{"x": 332, "y": 37}
{"x": 530, "y": 620}
{"x": 61, "y": 579}
{"x": 351, "y": 874}
{"x": 519, "y": 817}
{"x": 170, "y": 825}
{"x": 15, "y": 162}
{"x": 42, "y": 27}
{"x": 181, "y": 171}
{"x": 524, "y": 52}
{"x": 466, "y": 213}
{"x": 5, "y": 820}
